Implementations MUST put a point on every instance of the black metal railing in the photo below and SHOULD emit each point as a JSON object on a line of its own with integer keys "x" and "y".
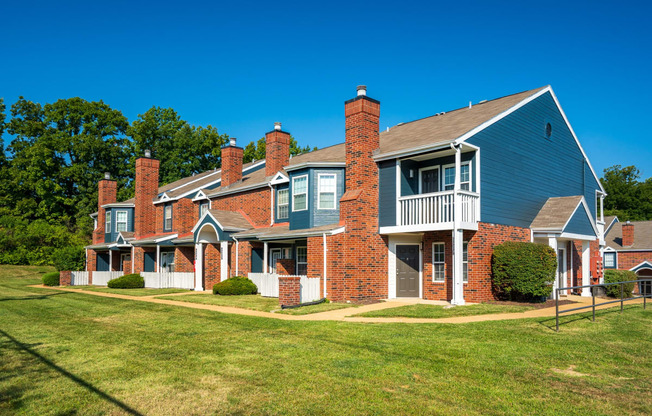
{"x": 646, "y": 292}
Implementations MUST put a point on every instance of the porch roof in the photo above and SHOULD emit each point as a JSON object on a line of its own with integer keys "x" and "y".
{"x": 566, "y": 215}
{"x": 283, "y": 232}
{"x": 154, "y": 239}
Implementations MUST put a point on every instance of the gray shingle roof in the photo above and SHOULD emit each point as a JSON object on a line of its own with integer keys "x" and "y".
{"x": 231, "y": 221}
{"x": 555, "y": 213}
{"x": 642, "y": 236}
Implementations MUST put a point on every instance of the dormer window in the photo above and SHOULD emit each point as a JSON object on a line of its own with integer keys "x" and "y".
{"x": 120, "y": 221}
{"x": 300, "y": 193}
{"x": 282, "y": 204}
{"x": 203, "y": 207}
{"x": 167, "y": 218}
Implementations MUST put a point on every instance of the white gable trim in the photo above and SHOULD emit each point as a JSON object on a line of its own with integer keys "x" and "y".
{"x": 645, "y": 265}
{"x": 278, "y": 179}
{"x": 200, "y": 196}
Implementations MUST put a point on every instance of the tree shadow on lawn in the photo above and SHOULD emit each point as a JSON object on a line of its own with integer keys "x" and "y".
{"x": 27, "y": 348}
{"x": 35, "y": 297}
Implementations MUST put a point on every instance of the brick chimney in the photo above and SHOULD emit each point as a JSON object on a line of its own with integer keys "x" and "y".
{"x": 628, "y": 234}
{"x": 107, "y": 190}
{"x": 146, "y": 189}
{"x": 362, "y": 138}
{"x": 277, "y": 150}
{"x": 231, "y": 163}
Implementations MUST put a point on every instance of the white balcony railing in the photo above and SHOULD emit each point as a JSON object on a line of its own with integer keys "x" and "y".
{"x": 438, "y": 208}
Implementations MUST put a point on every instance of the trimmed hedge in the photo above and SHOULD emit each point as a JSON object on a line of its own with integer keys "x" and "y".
{"x": 613, "y": 276}
{"x": 51, "y": 279}
{"x": 523, "y": 270}
{"x": 237, "y": 285}
{"x": 128, "y": 281}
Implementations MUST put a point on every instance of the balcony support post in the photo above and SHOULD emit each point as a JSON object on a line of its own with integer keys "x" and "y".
{"x": 458, "y": 234}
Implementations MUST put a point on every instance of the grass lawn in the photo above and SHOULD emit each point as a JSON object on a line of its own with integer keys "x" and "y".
{"x": 321, "y": 307}
{"x": 253, "y": 302}
{"x": 131, "y": 292}
{"x": 437, "y": 311}
{"x": 70, "y": 353}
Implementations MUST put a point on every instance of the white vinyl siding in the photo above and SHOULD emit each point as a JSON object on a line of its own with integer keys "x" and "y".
{"x": 300, "y": 193}
{"x": 282, "y": 204}
{"x": 465, "y": 177}
{"x": 327, "y": 188}
{"x": 302, "y": 261}
{"x": 438, "y": 262}
{"x": 120, "y": 221}
{"x": 167, "y": 215}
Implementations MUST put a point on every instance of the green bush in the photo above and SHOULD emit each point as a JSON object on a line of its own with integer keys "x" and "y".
{"x": 128, "y": 281}
{"x": 237, "y": 285}
{"x": 51, "y": 279}
{"x": 69, "y": 258}
{"x": 523, "y": 270}
{"x": 613, "y": 276}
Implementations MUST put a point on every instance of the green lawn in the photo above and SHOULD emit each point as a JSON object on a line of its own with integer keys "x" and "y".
{"x": 436, "y": 311}
{"x": 253, "y": 302}
{"x": 68, "y": 353}
{"x": 131, "y": 292}
{"x": 321, "y": 307}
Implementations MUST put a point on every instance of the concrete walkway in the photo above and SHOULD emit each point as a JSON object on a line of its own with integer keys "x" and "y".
{"x": 345, "y": 314}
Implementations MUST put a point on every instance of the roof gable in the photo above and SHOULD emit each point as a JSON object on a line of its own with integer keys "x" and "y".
{"x": 565, "y": 215}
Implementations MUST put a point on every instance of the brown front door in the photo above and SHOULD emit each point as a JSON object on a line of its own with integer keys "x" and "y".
{"x": 407, "y": 271}
{"x": 429, "y": 181}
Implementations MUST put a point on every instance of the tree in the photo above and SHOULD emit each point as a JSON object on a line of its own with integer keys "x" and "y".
{"x": 627, "y": 197}
{"x": 256, "y": 150}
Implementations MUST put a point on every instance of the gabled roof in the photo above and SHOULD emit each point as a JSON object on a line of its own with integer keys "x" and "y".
{"x": 642, "y": 236}
{"x": 230, "y": 221}
{"x": 557, "y": 214}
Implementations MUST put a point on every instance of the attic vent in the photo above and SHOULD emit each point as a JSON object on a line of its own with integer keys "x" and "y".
{"x": 483, "y": 101}
{"x": 548, "y": 130}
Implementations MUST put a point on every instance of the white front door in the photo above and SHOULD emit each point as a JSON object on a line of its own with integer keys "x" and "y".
{"x": 274, "y": 254}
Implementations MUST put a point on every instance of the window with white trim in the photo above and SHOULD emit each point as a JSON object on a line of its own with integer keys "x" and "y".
{"x": 465, "y": 262}
{"x": 302, "y": 261}
{"x": 327, "y": 188}
{"x": 465, "y": 177}
{"x": 282, "y": 204}
{"x": 167, "y": 261}
{"x": 203, "y": 207}
{"x": 609, "y": 260}
{"x": 167, "y": 218}
{"x": 107, "y": 221}
{"x": 438, "y": 262}
{"x": 300, "y": 193}
{"x": 120, "y": 221}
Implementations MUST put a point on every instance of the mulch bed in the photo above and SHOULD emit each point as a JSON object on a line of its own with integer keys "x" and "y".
{"x": 550, "y": 303}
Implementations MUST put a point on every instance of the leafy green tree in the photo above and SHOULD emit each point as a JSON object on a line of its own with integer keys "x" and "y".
{"x": 256, "y": 150}
{"x": 627, "y": 197}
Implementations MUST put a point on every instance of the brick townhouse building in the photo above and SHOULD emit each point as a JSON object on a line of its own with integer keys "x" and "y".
{"x": 413, "y": 211}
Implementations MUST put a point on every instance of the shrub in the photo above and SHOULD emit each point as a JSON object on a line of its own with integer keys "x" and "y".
{"x": 613, "y": 276}
{"x": 128, "y": 281}
{"x": 69, "y": 258}
{"x": 237, "y": 285}
{"x": 523, "y": 270}
{"x": 51, "y": 279}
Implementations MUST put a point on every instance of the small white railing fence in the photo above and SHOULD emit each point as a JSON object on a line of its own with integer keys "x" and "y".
{"x": 438, "y": 207}
{"x": 102, "y": 278}
{"x": 167, "y": 280}
{"x": 78, "y": 278}
{"x": 267, "y": 284}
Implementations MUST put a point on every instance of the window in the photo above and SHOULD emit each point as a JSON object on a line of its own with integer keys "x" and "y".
{"x": 548, "y": 130}
{"x": 300, "y": 193}
{"x": 465, "y": 262}
{"x": 203, "y": 207}
{"x": 465, "y": 177}
{"x": 107, "y": 224}
{"x": 120, "y": 221}
{"x": 609, "y": 260}
{"x": 438, "y": 266}
{"x": 167, "y": 218}
{"x": 282, "y": 204}
{"x": 302, "y": 261}
{"x": 327, "y": 187}
{"x": 167, "y": 261}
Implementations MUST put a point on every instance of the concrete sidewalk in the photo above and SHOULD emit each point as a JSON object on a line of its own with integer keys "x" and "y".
{"x": 345, "y": 314}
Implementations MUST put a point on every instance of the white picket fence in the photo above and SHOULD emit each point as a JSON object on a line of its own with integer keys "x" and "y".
{"x": 165, "y": 280}
{"x": 102, "y": 278}
{"x": 267, "y": 284}
{"x": 78, "y": 278}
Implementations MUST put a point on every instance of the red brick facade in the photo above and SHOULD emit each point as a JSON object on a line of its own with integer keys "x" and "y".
{"x": 277, "y": 151}
{"x": 185, "y": 214}
{"x": 231, "y": 165}
{"x": 255, "y": 204}
{"x": 184, "y": 259}
{"x": 629, "y": 259}
{"x": 285, "y": 267}
{"x": 146, "y": 189}
{"x": 289, "y": 290}
{"x": 106, "y": 194}
{"x": 628, "y": 234}
{"x": 65, "y": 277}
{"x": 211, "y": 267}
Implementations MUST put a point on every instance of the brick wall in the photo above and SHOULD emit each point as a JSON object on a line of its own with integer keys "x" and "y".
{"x": 244, "y": 256}
{"x": 438, "y": 290}
{"x": 106, "y": 194}
{"x": 92, "y": 264}
{"x": 629, "y": 259}
{"x": 231, "y": 165}
{"x": 628, "y": 234}
{"x": 285, "y": 266}
{"x": 254, "y": 203}
{"x": 185, "y": 214}
{"x": 139, "y": 259}
{"x": 289, "y": 290}
{"x": 211, "y": 265}
{"x": 126, "y": 264}
{"x": 277, "y": 151}
{"x": 146, "y": 189}
{"x": 184, "y": 259}
{"x": 65, "y": 278}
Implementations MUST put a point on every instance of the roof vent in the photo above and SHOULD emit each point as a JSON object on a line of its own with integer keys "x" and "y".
{"x": 107, "y": 175}
{"x": 148, "y": 153}
{"x": 277, "y": 126}
{"x": 362, "y": 90}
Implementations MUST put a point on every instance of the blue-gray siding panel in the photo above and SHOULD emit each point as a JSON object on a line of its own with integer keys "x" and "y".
{"x": 521, "y": 168}
{"x": 301, "y": 219}
{"x": 257, "y": 260}
{"x": 325, "y": 216}
{"x": 387, "y": 193}
{"x": 102, "y": 262}
{"x": 150, "y": 262}
{"x": 580, "y": 223}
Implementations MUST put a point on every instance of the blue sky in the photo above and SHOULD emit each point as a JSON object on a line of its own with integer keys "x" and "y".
{"x": 240, "y": 66}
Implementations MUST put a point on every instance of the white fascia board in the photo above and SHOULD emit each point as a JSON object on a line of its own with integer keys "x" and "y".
{"x": 278, "y": 179}
{"x": 118, "y": 205}
{"x": 167, "y": 237}
{"x": 583, "y": 237}
{"x": 195, "y": 180}
{"x": 316, "y": 165}
{"x": 93, "y": 215}
{"x": 411, "y": 152}
{"x": 200, "y": 196}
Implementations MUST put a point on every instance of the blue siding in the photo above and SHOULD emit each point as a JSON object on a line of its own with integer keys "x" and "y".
{"x": 150, "y": 261}
{"x": 521, "y": 168}
{"x": 102, "y": 262}
{"x": 108, "y": 235}
{"x": 276, "y": 218}
{"x": 301, "y": 219}
{"x": 325, "y": 216}
{"x": 387, "y": 193}
{"x": 112, "y": 235}
{"x": 257, "y": 260}
{"x": 580, "y": 223}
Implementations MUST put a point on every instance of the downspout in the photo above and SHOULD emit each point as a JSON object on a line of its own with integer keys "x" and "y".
{"x": 271, "y": 200}
{"x": 325, "y": 268}
{"x": 132, "y": 259}
{"x": 237, "y": 246}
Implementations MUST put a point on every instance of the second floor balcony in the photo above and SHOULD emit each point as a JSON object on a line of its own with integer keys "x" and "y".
{"x": 438, "y": 208}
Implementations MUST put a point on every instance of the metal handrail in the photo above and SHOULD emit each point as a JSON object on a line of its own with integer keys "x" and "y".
{"x": 622, "y": 299}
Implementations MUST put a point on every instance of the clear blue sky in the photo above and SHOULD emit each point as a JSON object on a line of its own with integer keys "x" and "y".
{"x": 240, "y": 66}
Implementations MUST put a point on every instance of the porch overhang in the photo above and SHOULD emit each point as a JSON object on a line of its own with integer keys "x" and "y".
{"x": 565, "y": 218}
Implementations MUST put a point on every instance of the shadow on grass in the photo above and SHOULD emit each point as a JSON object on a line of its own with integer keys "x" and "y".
{"x": 35, "y": 297}
{"x": 69, "y": 375}
{"x": 587, "y": 315}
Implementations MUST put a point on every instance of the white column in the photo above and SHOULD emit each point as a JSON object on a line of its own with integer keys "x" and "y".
{"x": 552, "y": 242}
{"x": 199, "y": 267}
{"x": 86, "y": 250}
{"x": 458, "y": 236}
{"x": 237, "y": 266}
{"x": 325, "y": 265}
{"x": 158, "y": 258}
{"x": 133, "y": 260}
{"x": 110, "y": 260}
{"x": 265, "y": 250}
{"x": 224, "y": 260}
{"x": 586, "y": 267}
